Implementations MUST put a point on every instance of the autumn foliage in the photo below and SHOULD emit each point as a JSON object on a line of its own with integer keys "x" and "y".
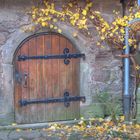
{"x": 81, "y": 16}
{"x": 94, "y": 128}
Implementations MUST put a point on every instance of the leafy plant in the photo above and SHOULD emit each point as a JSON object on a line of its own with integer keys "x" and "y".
{"x": 110, "y": 104}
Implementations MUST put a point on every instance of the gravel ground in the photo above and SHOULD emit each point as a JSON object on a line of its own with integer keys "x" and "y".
{"x": 39, "y": 134}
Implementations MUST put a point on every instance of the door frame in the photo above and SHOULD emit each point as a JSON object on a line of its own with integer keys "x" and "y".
{"x": 30, "y": 37}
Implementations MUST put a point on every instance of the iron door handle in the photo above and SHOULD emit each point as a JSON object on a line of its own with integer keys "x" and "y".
{"x": 25, "y": 81}
{"x": 18, "y": 78}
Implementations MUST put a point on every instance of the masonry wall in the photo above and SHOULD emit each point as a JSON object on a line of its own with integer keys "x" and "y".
{"x": 100, "y": 71}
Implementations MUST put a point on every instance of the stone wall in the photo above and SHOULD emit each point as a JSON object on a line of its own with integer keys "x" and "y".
{"x": 100, "y": 71}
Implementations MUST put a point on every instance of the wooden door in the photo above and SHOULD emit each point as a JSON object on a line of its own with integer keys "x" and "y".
{"x": 38, "y": 79}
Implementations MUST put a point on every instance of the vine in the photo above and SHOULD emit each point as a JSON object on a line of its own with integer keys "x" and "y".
{"x": 81, "y": 16}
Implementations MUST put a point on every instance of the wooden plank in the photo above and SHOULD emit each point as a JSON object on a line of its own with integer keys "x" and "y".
{"x": 43, "y": 94}
{"x": 48, "y": 77}
{"x": 62, "y": 78}
{"x": 17, "y": 89}
{"x": 76, "y": 84}
{"x": 55, "y": 78}
{"x": 40, "y": 92}
{"x": 32, "y": 79}
{"x": 69, "y": 84}
{"x": 24, "y": 89}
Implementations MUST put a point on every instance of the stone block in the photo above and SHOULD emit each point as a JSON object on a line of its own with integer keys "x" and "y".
{"x": 138, "y": 96}
{"x": 101, "y": 75}
{"x": 6, "y": 119}
{"x": 25, "y": 134}
{"x": 2, "y": 38}
{"x": 103, "y": 56}
{"x": 94, "y": 110}
{"x": 138, "y": 109}
{"x": 138, "y": 100}
{"x": 99, "y": 87}
{"x": 1, "y": 69}
{"x": 138, "y": 119}
{"x": 4, "y": 135}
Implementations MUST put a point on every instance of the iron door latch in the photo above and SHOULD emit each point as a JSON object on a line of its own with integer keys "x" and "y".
{"x": 66, "y": 56}
{"x": 66, "y": 100}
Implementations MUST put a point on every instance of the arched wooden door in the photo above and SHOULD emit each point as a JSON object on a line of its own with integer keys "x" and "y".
{"x": 46, "y": 79}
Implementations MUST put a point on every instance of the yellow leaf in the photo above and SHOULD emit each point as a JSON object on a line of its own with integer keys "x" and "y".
{"x": 124, "y": 47}
{"x": 114, "y": 11}
{"x": 46, "y": 13}
{"x": 14, "y": 124}
{"x": 59, "y": 31}
{"x": 52, "y": 128}
{"x": 18, "y": 130}
{"x": 44, "y": 24}
{"x": 90, "y": 4}
{"x": 84, "y": 12}
{"x": 51, "y": 26}
{"x": 82, "y": 118}
{"x": 122, "y": 118}
{"x": 74, "y": 34}
{"x": 103, "y": 30}
{"x": 130, "y": 41}
{"x": 125, "y": 17}
{"x": 122, "y": 31}
{"x": 72, "y": 22}
{"x": 98, "y": 43}
{"x": 54, "y": 20}
{"x": 111, "y": 35}
{"x": 55, "y": 27}
{"x": 102, "y": 38}
{"x": 135, "y": 46}
{"x": 100, "y": 119}
{"x": 70, "y": 4}
{"x": 137, "y": 67}
{"x": 52, "y": 5}
{"x": 33, "y": 16}
{"x": 137, "y": 126}
{"x": 62, "y": 19}
{"x": 92, "y": 17}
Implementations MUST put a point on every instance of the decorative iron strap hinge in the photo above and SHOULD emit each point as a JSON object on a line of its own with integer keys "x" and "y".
{"x": 66, "y": 56}
{"x": 66, "y": 100}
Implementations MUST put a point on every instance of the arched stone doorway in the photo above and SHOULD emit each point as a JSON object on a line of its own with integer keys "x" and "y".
{"x": 46, "y": 79}
{"x": 8, "y": 50}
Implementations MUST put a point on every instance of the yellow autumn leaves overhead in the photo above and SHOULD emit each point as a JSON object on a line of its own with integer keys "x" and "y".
{"x": 70, "y": 13}
{"x": 81, "y": 17}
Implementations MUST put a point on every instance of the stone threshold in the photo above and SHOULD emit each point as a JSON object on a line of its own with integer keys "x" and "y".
{"x": 36, "y": 125}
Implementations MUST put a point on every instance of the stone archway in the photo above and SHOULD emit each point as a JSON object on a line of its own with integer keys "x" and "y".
{"x": 8, "y": 50}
